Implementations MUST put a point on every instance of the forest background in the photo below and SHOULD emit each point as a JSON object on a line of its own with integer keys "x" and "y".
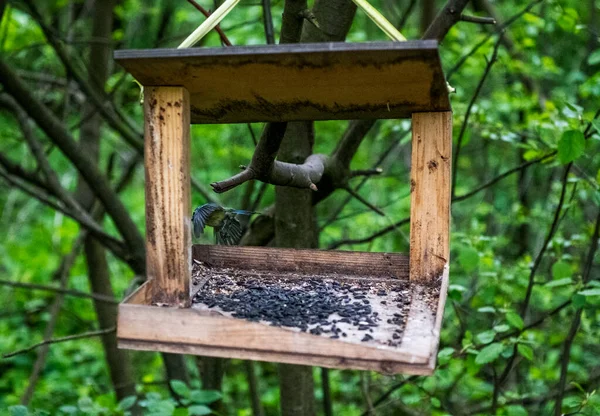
{"x": 522, "y": 321}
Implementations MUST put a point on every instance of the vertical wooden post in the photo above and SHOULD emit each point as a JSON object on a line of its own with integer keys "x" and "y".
{"x": 168, "y": 207}
{"x": 430, "y": 182}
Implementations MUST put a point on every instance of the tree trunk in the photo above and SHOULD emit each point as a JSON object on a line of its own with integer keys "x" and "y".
{"x": 295, "y": 227}
{"x": 119, "y": 364}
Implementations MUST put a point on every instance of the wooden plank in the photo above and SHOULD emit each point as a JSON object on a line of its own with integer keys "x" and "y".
{"x": 385, "y": 265}
{"x": 324, "y": 81}
{"x": 194, "y": 327}
{"x": 140, "y": 296}
{"x": 439, "y": 316}
{"x": 385, "y": 367}
{"x": 430, "y": 181}
{"x": 168, "y": 206}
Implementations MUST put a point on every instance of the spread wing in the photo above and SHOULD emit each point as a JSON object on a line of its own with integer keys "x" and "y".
{"x": 200, "y": 217}
{"x": 230, "y": 232}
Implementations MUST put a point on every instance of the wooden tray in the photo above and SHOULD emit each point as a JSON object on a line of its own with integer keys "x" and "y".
{"x": 200, "y": 331}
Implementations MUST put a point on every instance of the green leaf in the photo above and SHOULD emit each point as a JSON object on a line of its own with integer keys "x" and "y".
{"x": 468, "y": 258}
{"x": 514, "y": 320}
{"x": 205, "y": 396}
{"x": 578, "y": 300}
{"x": 199, "y": 409}
{"x": 596, "y": 124}
{"x": 486, "y": 309}
{"x": 486, "y": 337}
{"x": 489, "y": 353}
{"x": 127, "y": 402}
{"x": 445, "y": 354}
{"x": 501, "y": 328}
{"x": 594, "y": 57}
{"x": 590, "y": 292}
{"x": 180, "y": 388}
{"x": 69, "y": 409}
{"x": 85, "y": 404}
{"x": 561, "y": 269}
{"x": 526, "y": 351}
{"x": 570, "y": 146}
{"x": 515, "y": 410}
{"x": 560, "y": 282}
{"x": 18, "y": 410}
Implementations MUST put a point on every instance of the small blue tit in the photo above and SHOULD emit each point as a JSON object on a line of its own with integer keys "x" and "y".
{"x": 225, "y": 221}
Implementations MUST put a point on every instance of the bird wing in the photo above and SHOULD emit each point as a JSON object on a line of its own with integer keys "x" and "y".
{"x": 230, "y": 231}
{"x": 201, "y": 215}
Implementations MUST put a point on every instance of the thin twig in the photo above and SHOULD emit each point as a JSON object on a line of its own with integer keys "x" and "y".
{"x": 62, "y": 339}
{"x": 502, "y": 176}
{"x": 463, "y": 127}
{"x": 268, "y": 22}
{"x": 566, "y": 355}
{"x": 206, "y": 13}
{"x": 534, "y": 268}
{"x": 478, "y": 19}
{"x": 358, "y": 197}
{"x": 71, "y": 292}
{"x": 503, "y": 26}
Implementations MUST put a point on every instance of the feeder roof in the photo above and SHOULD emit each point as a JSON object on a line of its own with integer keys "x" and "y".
{"x": 296, "y": 82}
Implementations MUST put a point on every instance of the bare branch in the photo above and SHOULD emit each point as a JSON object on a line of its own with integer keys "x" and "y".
{"x": 365, "y": 172}
{"x": 566, "y": 355}
{"x": 478, "y": 19}
{"x": 206, "y": 13}
{"x": 446, "y": 18}
{"x": 71, "y": 292}
{"x": 463, "y": 127}
{"x": 62, "y": 339}
{"x": 114, "y": 245}
{"x": 268, "y": 22}
{"x": 67, "y": 144}
{"x": 363, "y": 201}
{"x": 502, "y": 176}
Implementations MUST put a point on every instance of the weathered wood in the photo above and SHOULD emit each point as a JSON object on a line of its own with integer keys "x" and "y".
{"x": 430, "y": 195}
{"x": 168, "y": 207}
{"x": 203, "y": 332}
{"x": 385, "y": 367}
{"x": 325, "y": 81}
{"x": 384, "y": 265}
{"x": 185, "y": 328}
{"x": 142, "y": 295}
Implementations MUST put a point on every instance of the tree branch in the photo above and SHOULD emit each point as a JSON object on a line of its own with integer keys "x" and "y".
{"x": 478, "y": 19}
{"x": 65, "y": 142}
{"x": 206, "y": 13}
{"x": 566, "y": 355}
{"x": 463, "y": 127}
{"x": 71, "y": 292}
{"x": 446, "y": 18}
{"x": 62, "y": 339}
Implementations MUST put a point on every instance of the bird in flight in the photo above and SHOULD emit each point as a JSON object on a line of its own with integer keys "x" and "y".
{"x": 225, "y": 221}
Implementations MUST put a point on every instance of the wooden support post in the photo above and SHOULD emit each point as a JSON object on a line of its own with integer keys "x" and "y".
{"x": 430, "y": 182}
{"x": 168, "y": 207}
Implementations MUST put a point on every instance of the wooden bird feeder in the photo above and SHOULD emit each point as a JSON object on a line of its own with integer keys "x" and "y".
{"x": 328, "y": 81}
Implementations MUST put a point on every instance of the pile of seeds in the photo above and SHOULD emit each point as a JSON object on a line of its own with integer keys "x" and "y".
{"x": 367, "y": 310}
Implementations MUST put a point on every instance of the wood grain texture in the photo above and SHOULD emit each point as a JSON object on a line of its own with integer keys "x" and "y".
{"x": 141, "y": 296}
{"x": 191, "y": 327}
{"x": 430, "y": 179}
{"x": 385, "y": 367}
{"x": 168, "y": 207}
{"x": 384, "y": 265}
{"x": 325, "y": 81}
